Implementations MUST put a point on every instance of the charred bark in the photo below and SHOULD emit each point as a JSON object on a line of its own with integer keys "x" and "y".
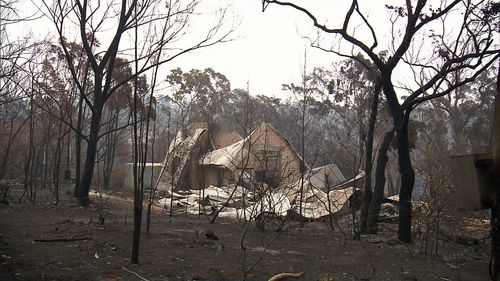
{"x": 495, "y": 211}
{"x": 405, "y": 167}
{"x": 378, "y": 192}
{"x": 407, "y": 181}
{"x": 110, "y": 141}
{"x": 367, "y": 194}
{"x": 88, "y": 172}
{"x": 78, "y": 146}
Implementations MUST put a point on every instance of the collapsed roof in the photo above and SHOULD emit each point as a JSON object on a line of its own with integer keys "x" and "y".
{"x": 232, "y": 155}
{"x": 229, "y": 157}
{"x": 182, "y": 148}
{"x": 187, "y": 147}
{"x": 324, "y": 178}
{"x": 321, "y": 188}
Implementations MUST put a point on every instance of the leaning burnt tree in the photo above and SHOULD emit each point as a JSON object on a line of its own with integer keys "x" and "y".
{"x": 103, "y": 31}
{"x": 468, "y": 46}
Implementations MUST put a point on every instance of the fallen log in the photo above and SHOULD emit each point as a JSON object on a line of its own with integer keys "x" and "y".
{"x": 63, "y": 239}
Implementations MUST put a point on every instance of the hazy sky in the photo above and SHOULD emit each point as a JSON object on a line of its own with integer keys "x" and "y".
{"x": 268, "y": 49}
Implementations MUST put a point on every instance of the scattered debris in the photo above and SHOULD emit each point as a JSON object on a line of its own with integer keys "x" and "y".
{"x": 388, "y": 212}
{"x": 287, "y": 275}
{"x": 135, "y": 273}
{"x": 253, "y": 177}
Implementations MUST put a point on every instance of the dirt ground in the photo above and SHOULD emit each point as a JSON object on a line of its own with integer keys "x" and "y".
{"x": 177, "y": 248}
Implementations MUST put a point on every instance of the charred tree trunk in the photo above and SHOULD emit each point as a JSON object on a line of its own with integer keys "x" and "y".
{"x": 58, "y": 154}
{"x": 28, "y": 165}
{"x": 139, "y": 163}
{"x": 367, "y": 194}
{"x": 378, "y": 193}
{"x": 407, "y": 181}
{"x": 405, "y": 167}
{"x": 110, "y": 147}
{"x": 78, "y": 146}
{"x": 138, "y": 185}
{"x": 88, "y": 172}
{"x": 495, "y": 211}
{"x": 152, "y": 185}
